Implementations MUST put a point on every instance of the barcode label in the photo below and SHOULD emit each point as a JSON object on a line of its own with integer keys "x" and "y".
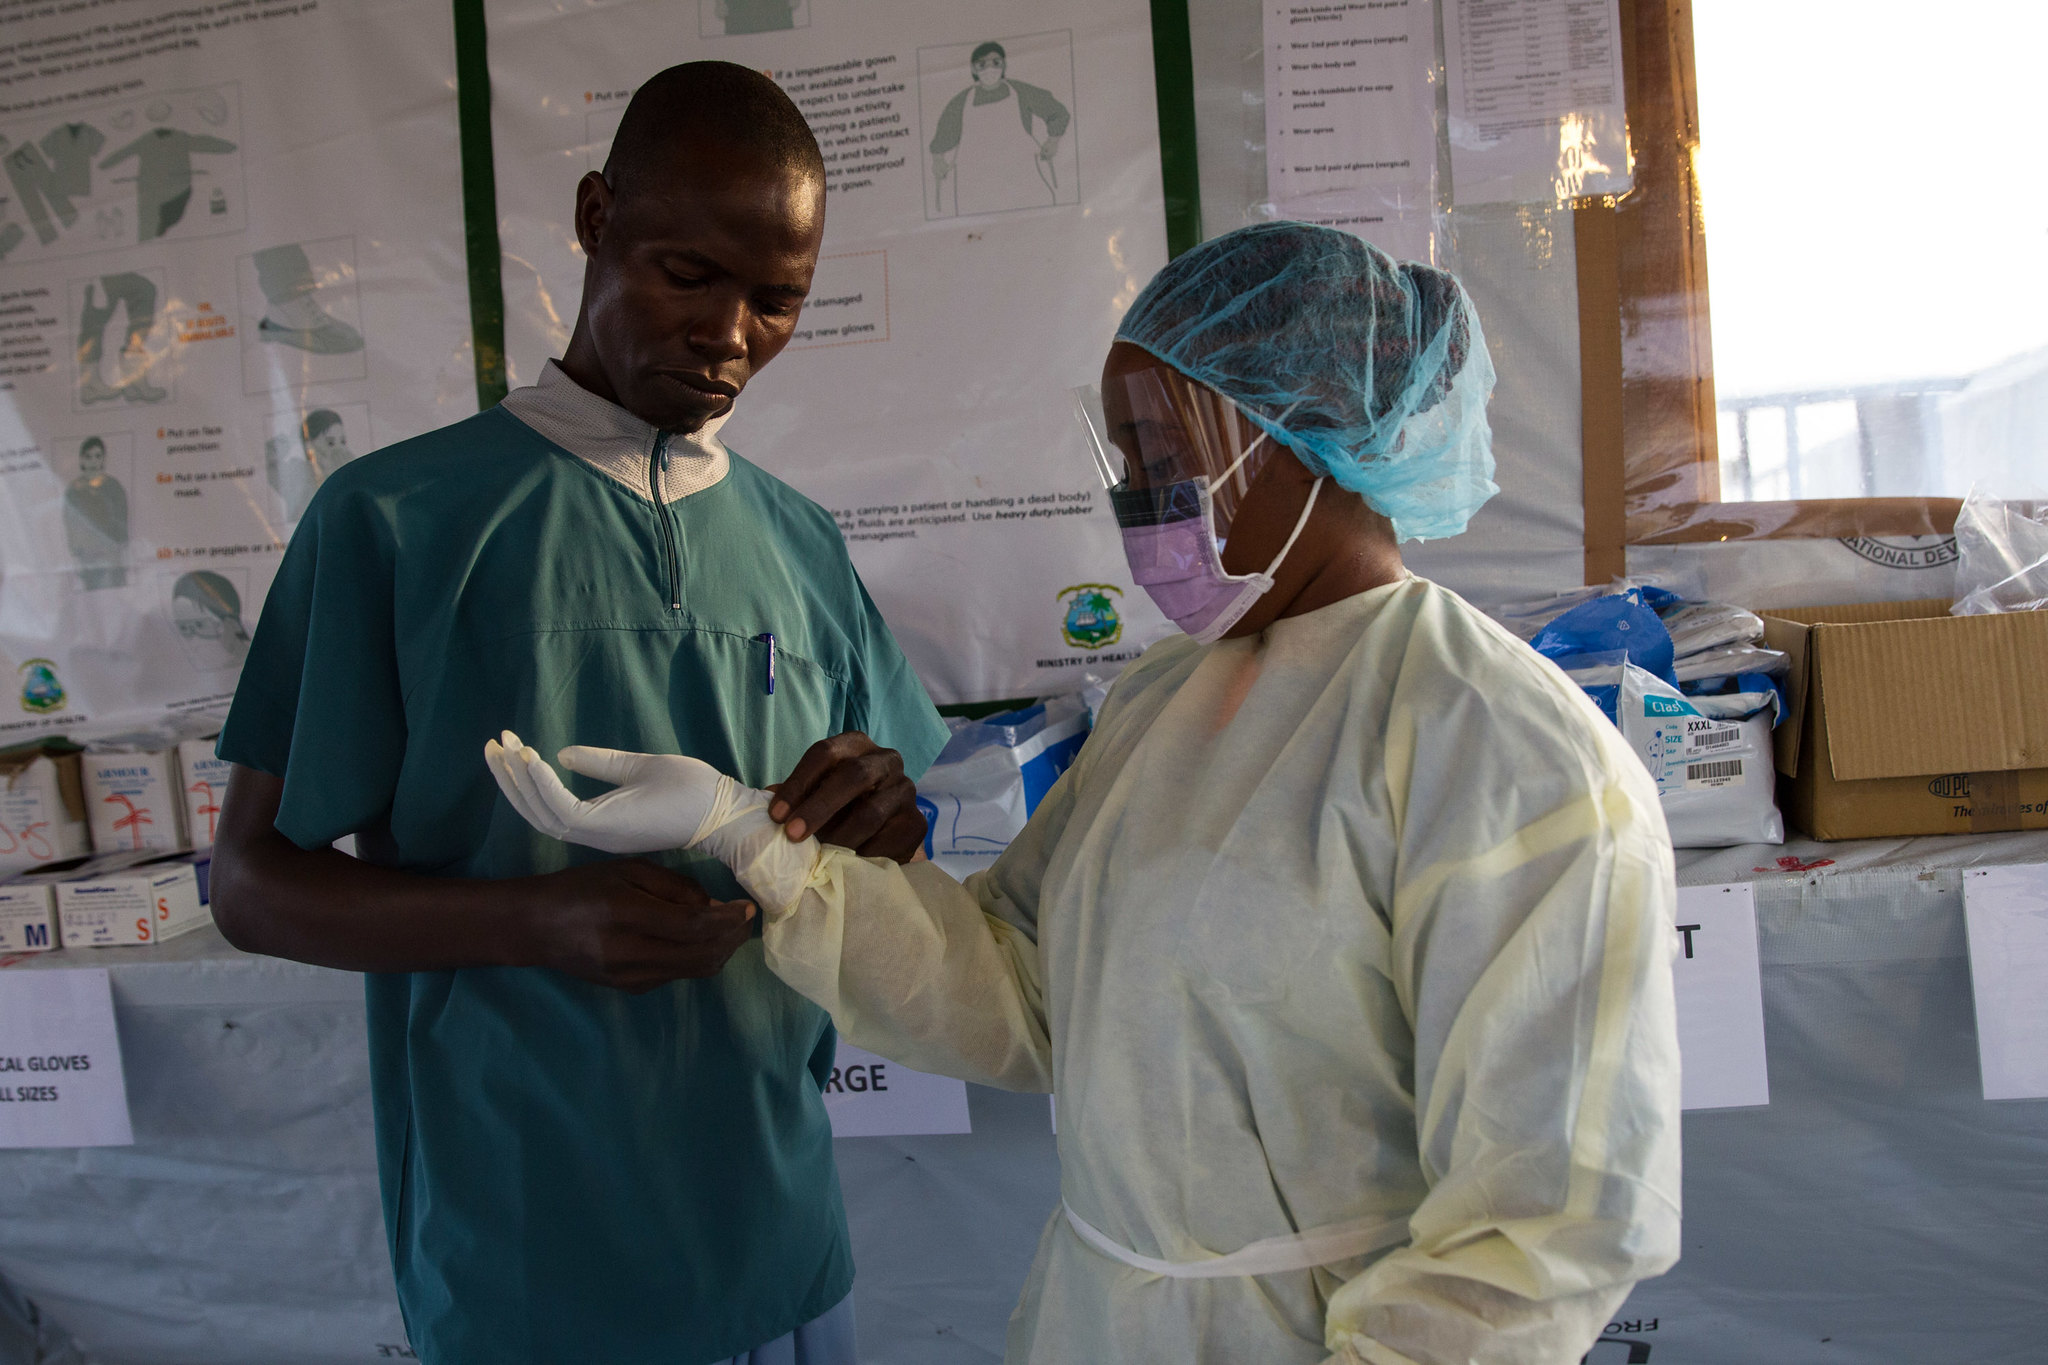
{"x": 1710, "y": 772}
{"x": 1714, "y": 739}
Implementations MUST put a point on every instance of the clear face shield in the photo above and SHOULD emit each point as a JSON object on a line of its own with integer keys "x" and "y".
{"x": 1179, "y": 461}
{"x": 1157, "y": 436}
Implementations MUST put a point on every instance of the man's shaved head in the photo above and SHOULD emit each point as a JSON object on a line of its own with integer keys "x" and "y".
{"x": 719, "y": 103}
{"x": 700, "y": 239}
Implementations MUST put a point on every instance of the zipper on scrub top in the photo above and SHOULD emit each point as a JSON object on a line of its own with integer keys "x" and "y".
{"x": 672, "y": 556}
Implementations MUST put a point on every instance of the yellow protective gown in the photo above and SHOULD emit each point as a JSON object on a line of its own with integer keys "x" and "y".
{"x": 1368, "y": 916}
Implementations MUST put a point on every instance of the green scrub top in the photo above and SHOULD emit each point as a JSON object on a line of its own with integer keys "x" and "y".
{"x": 570, "y": 1173}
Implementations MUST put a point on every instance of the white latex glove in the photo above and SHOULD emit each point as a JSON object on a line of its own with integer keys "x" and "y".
{"x": 660, "y": 801}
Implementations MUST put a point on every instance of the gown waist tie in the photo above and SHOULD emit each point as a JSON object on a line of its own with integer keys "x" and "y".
{"x": 1269, "y": 1256}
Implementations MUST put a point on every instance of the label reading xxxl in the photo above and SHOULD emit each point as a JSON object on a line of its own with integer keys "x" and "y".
{"x": 1691, "y": 752}
{"x": 1706, "y": 744}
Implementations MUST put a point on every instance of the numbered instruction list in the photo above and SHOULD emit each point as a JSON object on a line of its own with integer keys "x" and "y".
{"x": 1351, "y": 117}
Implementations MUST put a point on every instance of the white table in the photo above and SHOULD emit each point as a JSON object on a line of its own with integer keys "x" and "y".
{"x": 1876, "y": 1200}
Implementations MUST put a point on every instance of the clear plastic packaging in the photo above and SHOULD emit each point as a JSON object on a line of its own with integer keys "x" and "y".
{"x": 2003, "y": 556}
{"x": 992, "y": 774}
{"x": 1663, "y": 593}
{"x": 1727, "y": 661}
{"x": 1699, "y": 626}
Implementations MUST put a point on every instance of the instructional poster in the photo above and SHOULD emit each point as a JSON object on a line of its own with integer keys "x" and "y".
{"x": 231, "y": 260}
{"x": 1538, "y": 111}
{"x": 1351, "y": 118}
{"x": 993, "y": 206}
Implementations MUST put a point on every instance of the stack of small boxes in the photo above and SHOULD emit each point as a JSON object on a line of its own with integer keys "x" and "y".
{"x": 147, "y": 819}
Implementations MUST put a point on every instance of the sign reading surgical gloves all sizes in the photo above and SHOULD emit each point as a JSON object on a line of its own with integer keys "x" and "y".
{"x": 61, "y": 1079}
{"x": 231, "y": 260}
{"x": 994, "y": 204}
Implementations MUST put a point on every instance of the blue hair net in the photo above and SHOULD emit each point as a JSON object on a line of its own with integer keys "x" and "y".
{"x": 1371, "y": 370}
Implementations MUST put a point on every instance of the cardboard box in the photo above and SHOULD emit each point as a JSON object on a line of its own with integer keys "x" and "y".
{"x": 28, "y": 918}
{"x": 42, "y": 810}
{"x": 1905, "y": 720}
{"x": 148, "y": 902}
{"x": 40, "y": 887}
{"x": 204, "y": 780}
{"x": 133, "y": 801}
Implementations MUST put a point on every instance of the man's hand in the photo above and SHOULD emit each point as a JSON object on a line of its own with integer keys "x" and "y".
{"x": 850, "y": 791}
{"x": 630, "y": 924}
{"x": 1049, "y": 148}
{"x": 942, "y": 166}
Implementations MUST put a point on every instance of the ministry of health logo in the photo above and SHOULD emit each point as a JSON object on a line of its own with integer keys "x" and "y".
{"x": 1091, "y": 620}
{"x": 41, "y": 693}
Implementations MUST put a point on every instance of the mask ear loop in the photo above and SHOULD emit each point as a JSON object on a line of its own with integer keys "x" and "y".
{"x": 1301, "y": 524}
{"x": 1237, "y": 464}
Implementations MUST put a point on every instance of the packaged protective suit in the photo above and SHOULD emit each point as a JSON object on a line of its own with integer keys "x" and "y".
{"x": 1693, "y": 694}
{"x": 1711, "y": 758}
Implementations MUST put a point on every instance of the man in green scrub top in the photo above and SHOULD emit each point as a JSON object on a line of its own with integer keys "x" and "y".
{"x": 599, "y": 1123}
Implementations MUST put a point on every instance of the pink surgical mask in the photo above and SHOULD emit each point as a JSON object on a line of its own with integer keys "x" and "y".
{"x": 1175, "y": 555}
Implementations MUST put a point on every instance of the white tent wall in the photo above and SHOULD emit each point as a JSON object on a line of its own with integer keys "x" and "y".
{"x": 1877, "y": 1205}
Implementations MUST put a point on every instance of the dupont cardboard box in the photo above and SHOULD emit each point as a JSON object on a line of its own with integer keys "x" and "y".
{"x": 134, "y": 802}
{"x": 42, "y": 810}
{"x": 1905, "y": 720}
{"x": 28, "y": 918}
{"x": 147, "y": 902}
{"x": 204, "y": 779}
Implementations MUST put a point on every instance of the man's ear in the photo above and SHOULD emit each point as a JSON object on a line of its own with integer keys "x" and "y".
{"x": 595, "y": 208}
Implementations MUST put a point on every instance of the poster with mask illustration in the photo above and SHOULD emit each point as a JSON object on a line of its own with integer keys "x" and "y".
{"x": 231, "y": 261}
{"x": 993, "y": 205}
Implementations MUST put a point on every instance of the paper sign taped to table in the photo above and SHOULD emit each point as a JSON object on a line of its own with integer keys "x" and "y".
{"x": 2006, "y": 909}
{"x": 60, "y": 1062}
{"x": 1720, "y": 998}
{"x": 870, "y": 1096}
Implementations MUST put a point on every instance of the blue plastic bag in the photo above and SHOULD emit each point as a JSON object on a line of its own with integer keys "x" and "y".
{"x": 1622, "y": 623}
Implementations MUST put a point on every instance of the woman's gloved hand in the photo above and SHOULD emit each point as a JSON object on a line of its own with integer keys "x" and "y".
{"x": 660, "y": 801}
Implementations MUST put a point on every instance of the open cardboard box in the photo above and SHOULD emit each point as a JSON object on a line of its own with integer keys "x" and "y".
{"x": 1905, "y": 720}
